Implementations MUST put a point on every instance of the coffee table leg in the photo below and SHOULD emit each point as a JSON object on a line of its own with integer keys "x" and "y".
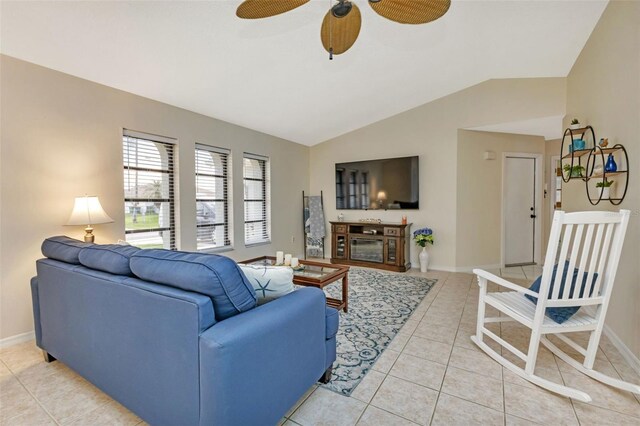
{"x": 345, "y": 292}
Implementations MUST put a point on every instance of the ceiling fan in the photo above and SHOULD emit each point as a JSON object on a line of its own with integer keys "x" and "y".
{"x": 341, "y": 24}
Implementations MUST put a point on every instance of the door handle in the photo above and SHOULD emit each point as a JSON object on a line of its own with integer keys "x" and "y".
{"x": 533, "y": 216}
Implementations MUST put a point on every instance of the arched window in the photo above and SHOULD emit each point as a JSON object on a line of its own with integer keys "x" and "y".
{"x": 149, "y": 205}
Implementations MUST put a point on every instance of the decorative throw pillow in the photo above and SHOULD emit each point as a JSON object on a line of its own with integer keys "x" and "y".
{"x": 269, "y": 282}
{"x": 561, "y": 314}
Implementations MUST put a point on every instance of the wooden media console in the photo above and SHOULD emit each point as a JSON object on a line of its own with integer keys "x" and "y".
{"x": 375, "y": 245}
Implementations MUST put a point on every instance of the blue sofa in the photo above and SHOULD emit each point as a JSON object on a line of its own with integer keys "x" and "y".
{"x": 177, "y": 337}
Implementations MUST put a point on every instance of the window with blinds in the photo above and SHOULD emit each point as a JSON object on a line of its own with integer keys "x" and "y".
{"x": 149, "y": 202}
{"x": 256, "y": 199}
{"x": 212, "y": 197}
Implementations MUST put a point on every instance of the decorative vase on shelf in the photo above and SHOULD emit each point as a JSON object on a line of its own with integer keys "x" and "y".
{"x": 604, "y": 193}
{"x": 424, "y": 260}
{"x": 611, "y": 165}
{"x": 578, "y": 144}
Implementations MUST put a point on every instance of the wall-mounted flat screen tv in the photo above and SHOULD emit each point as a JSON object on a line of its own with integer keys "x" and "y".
{"x": 390, "y": 183}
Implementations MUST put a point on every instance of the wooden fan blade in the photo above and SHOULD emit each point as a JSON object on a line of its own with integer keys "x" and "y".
{"x": 255, "y": 9}
{"x": 411, "y": 11}
{"x": 340, "y": 33}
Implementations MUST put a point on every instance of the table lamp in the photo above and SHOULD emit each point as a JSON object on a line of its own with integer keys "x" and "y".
{"x": 88, "y": 211}
{"x": 382, "y": 196}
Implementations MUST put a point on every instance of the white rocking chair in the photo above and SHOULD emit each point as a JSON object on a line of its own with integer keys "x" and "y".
{"x": 594, "y": 248}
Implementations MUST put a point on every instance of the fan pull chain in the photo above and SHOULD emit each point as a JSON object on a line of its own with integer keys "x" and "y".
{"x": 330, "y": 32}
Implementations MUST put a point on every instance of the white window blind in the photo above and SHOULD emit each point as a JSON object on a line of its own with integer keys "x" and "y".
{"x": 257, "y": 227}
{"x": 212, "y": 197}
{"x": 149, "y": 199}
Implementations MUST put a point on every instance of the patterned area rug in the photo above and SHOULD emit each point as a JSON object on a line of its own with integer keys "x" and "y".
{"x": 379, "y": 304}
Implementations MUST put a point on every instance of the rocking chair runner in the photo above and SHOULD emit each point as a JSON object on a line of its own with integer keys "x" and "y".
{"x": 594, "y": 250}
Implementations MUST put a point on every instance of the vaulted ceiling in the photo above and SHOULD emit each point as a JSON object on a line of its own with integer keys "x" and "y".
{"x": 274, "y": 76}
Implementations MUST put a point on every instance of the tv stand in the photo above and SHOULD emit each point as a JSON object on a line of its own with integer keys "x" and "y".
{"x": 374, "y": 245}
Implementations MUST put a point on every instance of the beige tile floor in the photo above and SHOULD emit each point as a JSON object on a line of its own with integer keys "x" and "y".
{"x": 431, "y": 374}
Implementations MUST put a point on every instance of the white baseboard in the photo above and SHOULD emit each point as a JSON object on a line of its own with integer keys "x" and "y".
{"x": 624, "y": 350}
{"x": 470, "y": 269}
{"x": 435, "y": 267}
{"x": 467, "y": 269}
{"x": 18, "y": 338}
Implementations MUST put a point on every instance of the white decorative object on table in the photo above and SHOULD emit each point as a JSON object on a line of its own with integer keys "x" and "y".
{"x": 279, "y": 258}
{"x": 287, "y": 259}
{"x": 424, "y": 260}
{"x": 294, "y": 262}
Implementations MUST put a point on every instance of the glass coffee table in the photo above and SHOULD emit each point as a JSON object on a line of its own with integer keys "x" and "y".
{"x": 315, "y": 274}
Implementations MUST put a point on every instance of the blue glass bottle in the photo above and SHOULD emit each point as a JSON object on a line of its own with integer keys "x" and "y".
{"x": 611, "y": 165}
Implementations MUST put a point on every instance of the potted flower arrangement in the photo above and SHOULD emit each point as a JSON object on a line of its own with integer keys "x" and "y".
{"x": 605, "y": 188}
{"x": 575, "y": 171}
{"x": 575, "y": 124}
{"x": 422, "y": 237}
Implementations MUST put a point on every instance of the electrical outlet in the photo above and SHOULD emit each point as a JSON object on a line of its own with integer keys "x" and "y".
{"x": 293, "y": 239}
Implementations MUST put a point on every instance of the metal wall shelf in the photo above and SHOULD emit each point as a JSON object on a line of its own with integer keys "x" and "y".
{"x": 595, "y": 155}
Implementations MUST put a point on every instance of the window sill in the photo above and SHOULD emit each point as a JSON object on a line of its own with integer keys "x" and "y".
{"x": 261, "y": 243}
{"x": 216, "y": 250}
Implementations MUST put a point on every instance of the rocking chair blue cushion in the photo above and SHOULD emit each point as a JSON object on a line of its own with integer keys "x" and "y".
{"x": 561, "y": 314}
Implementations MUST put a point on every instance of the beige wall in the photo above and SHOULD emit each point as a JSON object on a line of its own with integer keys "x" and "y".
{"x": 61, "y": 137}
{"x": 479, "y": 194}
{"x": 431, "y": 131}
{"x": 603, "y": 89}
{"x": 551, "y": 149}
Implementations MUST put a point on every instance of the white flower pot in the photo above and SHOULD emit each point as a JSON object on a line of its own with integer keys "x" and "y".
{"x": 575, "y": 126}
{"x": 606, "y": 193}
{"x": 424, "y": 260}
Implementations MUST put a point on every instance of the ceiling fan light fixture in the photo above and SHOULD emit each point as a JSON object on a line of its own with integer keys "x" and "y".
{"x": 341, "y": 9}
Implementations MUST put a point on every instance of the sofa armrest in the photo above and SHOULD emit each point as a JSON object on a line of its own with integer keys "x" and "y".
{"x": 35, "y": 302}
{"x": 256, "y": 365}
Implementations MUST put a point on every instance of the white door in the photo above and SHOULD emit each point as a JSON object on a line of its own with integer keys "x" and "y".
{"x": 519, "y": 200}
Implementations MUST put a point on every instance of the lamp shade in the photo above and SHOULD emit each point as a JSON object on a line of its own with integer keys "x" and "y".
{"x": 382, "y": 195}
{"x": 88, "y": 211}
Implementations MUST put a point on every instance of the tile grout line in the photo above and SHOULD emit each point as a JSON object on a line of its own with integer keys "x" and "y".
{"x": 449, "y": 359}
{"x": 386, "y": 374}
{"x": 394, "y": 362}
{"x": 581, "y": 375}
{"x": 37, "y": 401}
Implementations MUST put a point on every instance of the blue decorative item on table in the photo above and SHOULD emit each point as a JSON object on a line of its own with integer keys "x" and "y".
{"x": 611, "y": 165}
{"x": 578, "y": 144}
{"x": 423, "y": 236}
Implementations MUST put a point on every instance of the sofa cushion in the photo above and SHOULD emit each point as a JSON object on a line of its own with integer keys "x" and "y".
{"x": 269, "y": 282}
{"x": 218, "y": 277}
{"x": 64, "y": 249}
{"x": 112, "y": 258}
{"x": 561, "y": 314}
{"x": 332, "y": 319}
